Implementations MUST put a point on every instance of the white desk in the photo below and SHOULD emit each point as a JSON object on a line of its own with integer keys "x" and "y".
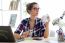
{"x": 47, "y": 40}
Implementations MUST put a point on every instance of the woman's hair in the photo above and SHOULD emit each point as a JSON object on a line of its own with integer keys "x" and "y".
{"x": 29, "y": 6}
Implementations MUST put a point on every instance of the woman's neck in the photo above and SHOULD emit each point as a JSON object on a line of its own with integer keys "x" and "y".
{"x": 32, "y": 17}
{"x": 32, "y": 22}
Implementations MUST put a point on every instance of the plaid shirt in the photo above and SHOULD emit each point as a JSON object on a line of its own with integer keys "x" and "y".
{"x": 38, "y": 30}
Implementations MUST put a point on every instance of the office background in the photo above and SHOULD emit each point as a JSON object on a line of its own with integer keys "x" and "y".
{"x": 54, "y": 8}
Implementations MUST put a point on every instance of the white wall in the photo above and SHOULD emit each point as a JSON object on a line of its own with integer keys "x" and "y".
{"x": 0, "y": 19}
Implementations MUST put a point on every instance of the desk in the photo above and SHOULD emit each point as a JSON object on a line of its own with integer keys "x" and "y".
{"x": 46, "y": 40}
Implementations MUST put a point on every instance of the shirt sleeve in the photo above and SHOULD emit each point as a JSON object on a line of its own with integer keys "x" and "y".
{"x": 42, "y": 26}
{"x": 20, "y": 28}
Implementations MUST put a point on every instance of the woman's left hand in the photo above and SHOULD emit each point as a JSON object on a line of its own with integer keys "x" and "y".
{"x": 25, "y": 34}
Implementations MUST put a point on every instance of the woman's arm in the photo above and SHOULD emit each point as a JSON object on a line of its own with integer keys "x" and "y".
{"x": 46, "y": 33}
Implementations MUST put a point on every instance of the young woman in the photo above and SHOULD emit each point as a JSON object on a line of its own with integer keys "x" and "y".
{"x": 32, "y": 23}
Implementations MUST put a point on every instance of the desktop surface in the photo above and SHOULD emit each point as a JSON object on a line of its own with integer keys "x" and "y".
{"x": 44, "y": 40}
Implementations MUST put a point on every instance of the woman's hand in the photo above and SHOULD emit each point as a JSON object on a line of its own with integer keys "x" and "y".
{"x": 25, "y": 34}
{"x": 48, "y": 19}
{"x": 17, "y": 36}
{"x": 46, "y": 33}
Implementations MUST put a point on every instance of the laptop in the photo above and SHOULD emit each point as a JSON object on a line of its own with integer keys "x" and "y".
{"x": 6, "y": 34}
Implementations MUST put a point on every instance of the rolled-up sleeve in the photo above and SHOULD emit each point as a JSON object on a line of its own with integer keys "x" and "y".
{"x": 42, "y": 26}
{"x": 19, "y": 28}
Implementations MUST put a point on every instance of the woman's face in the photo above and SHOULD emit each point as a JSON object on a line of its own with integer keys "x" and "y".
{"x": 35, "y": 10}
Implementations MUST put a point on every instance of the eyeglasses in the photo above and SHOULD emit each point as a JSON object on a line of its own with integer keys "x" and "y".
{"x": 35, "y": 8}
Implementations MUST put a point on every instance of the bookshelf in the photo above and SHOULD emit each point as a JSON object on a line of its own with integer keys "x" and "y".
{"x": 6, "y": 12}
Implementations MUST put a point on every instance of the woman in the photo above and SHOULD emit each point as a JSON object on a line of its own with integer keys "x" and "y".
{"x": 32, "y": 23}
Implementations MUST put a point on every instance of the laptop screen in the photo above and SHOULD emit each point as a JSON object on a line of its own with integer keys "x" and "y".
{"x": 6, "y": 34}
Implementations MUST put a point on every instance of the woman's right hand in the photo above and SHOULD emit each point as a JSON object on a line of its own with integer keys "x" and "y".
{"x": 24, "y": 35}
